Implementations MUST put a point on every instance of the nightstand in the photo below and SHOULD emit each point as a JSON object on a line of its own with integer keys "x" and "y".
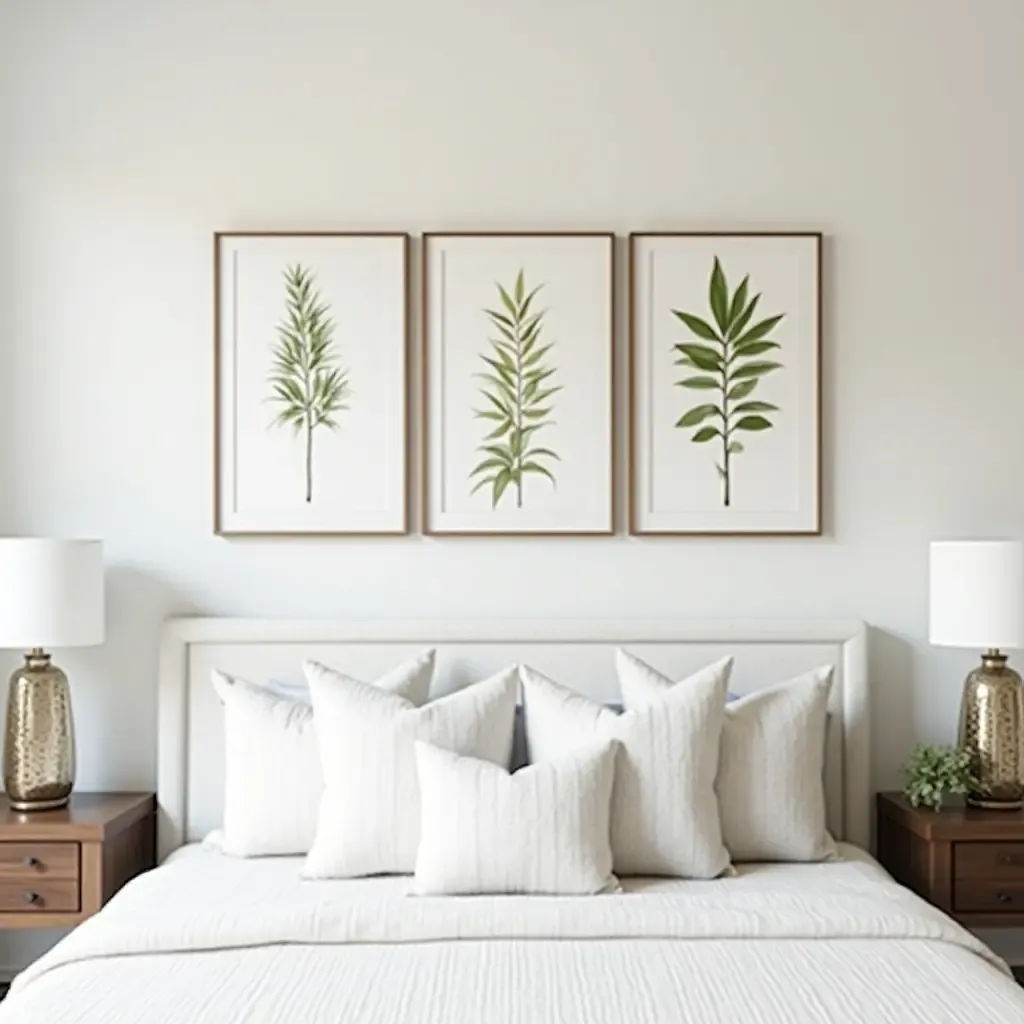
{"x": 968, "y": 862}
{"x": 58, "y": 867}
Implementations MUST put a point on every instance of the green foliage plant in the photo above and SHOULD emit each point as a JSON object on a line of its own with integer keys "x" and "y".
{"x": 933, "y": 773}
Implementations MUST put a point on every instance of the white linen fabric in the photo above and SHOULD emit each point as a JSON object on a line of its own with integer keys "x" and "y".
{"x": 543, "y": 829}
{"x": 369, "y": 819}
{"x": 664, "y": 818}
{"x": 771, "y": 774}
{"x": 213, "y": 938}
{"x": 272, "y": 776}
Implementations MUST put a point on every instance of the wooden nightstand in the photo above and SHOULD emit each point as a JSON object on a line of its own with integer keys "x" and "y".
{"x": 58, "y": 867}
{"x": 968, "y": 862}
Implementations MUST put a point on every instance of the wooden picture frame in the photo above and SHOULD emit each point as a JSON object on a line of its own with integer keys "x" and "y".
{"x": 493, "y": 362}
{"x": 311, "y": 350}
{"x": 689, "y": 325}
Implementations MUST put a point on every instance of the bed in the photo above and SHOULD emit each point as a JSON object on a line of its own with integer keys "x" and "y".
{"x": 207, "y": 937}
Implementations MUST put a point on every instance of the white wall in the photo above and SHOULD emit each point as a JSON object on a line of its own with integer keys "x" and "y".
{"x": 131, "y": 131}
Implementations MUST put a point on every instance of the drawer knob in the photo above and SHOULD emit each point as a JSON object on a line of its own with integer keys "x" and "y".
{"x": 29, "y": 862}
{"x": 30, "y": 897}
{"x": 1004, "y": 897}
{"x": 1010, "y": 859}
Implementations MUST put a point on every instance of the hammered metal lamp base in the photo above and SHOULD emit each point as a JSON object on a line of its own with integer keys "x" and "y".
{"x": 39, "y": 739}
{"x": 992, "y": 729}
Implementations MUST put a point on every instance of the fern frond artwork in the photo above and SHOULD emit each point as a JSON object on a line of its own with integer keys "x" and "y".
{"x": 308, "y": 385}
{"x": 728, "y": 351}
{"x": 518, "y": 392}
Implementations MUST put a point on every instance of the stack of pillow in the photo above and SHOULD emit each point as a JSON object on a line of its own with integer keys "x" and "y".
{"x": 372, "y": 778}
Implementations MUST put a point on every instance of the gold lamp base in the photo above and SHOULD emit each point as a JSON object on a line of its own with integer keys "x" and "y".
{"x": 39, "y": 740}
{"x": 992, "y": 729}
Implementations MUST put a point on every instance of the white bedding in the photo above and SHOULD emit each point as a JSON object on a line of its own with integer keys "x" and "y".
{"x": 207, "y": 938}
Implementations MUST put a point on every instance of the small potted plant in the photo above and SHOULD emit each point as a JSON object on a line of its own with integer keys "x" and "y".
{"x": 933, "y": 773}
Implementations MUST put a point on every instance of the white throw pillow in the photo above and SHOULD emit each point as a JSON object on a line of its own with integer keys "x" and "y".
{"x": 664, "y": 817}
{"x": 272, "y": 776}
{"x": 771, "y": 789}
{"x": 543, "y": 830}
{"x": 369, "y": 820}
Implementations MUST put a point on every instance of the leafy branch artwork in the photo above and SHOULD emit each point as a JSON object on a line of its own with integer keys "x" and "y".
{"x": 729, "y": 355}
{"x": 308, "y": 385}
{"x": 518, "y": 390}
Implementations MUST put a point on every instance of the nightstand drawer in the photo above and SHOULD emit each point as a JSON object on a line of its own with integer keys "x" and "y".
{"x": 27, "y": 862}
{"x": 59, "y": 867}
{"x": 39, "y": 896}
{"x": 988, "y": 895}
{"x": 988, "y": 860}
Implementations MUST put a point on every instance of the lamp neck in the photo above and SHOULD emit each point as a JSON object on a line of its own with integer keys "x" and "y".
{"x": 993, "y": 658}
{"x": 37, "y": 658}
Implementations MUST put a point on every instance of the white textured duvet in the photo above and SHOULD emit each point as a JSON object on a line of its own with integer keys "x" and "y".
{"x": 207, "y": 938}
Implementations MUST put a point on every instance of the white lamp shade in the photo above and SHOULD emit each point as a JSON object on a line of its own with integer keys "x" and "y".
{"x": 51, "y": 593}
{"x": 977, "y": 594}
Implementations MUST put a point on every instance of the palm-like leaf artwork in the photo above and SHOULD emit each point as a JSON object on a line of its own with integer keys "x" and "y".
{"x": 729, "y": 355}
{"x": 518, "y": 391}
{"x": 308, "y": 385}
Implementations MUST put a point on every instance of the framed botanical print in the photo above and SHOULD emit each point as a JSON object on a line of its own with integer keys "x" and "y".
{"x": 311, "y": 339}
{"x": 725, "y": 341}
{"x": 518, "y": 394}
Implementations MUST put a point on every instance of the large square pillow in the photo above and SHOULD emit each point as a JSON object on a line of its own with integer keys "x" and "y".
{"x": 542, "y": 830}
{"x": 664, "y": 816}
{"x": 272, "y": 776}
{"x": 369, "y": 818}
{"x": 771, "y": 788}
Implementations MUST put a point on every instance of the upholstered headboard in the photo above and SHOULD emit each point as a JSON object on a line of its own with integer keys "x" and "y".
{"x": 575, "y": 653}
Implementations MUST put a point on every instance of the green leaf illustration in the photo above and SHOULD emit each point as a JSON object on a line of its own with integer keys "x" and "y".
{"x": 753, "y": 423}
{"x": 756, "y": 407}
{"x": 307, "y": 384}
{"x": 700, "y": 356}
{"x": 739, "y": 302}
{"x": 698, "y": 414}
{"x": 731, "y": 359}
{"x": 744, "y": 318}
{"x": 706, "y": 434}
{"x": 719, "y": 296}
{"x": 753, "y": 348}
{"x": 754, "y": 370}
{"x": 741, "y": 390}
{"x": 760, "y": 330}
{"x": 517, "y": 387}
{"x": 699, "y": 327}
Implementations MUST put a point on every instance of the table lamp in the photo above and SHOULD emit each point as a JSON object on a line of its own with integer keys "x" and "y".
{"x": 51, "y": 595}
{"x": 977, "y": 600}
